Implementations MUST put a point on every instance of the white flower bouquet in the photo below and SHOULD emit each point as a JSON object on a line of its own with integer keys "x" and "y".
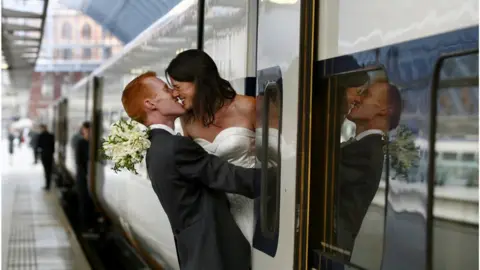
{"x": 126, "y": 145}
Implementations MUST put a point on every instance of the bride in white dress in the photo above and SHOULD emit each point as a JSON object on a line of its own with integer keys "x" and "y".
{"x": 218, "y": 119}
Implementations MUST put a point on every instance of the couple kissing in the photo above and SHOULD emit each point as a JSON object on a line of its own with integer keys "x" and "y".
{"x": 205, "y": 180}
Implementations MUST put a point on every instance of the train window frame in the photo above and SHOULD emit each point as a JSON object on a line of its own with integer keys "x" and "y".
{"x": 449, "y": 156}
{"x": 271, "y": 227}
{"x": 468, "y": 157}
{"x": 327, "y": 249}
{"x": 269, "y": 81}
{"x": 432, "y": 161}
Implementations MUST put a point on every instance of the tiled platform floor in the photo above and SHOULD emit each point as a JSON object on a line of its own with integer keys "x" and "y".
{"x": 35, "y": 231}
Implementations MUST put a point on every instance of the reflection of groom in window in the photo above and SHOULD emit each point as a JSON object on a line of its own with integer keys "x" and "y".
{"x": 446, "y": 104}
{"x": 353, "y": 86}
{"x": 467, "y": 101}
{"x": 362, "y": 158}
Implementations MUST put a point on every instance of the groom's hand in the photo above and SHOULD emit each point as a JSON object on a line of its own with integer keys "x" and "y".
{"x": 196, "y": 165}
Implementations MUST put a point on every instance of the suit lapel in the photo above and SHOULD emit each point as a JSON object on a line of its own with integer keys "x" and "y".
{"x": 154, "y": 143}
{"x": 155, "y": 133}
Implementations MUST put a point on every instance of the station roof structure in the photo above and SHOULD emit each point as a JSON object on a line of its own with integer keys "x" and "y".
{"x": 125, "y": 19}
{"x": 22, "y": 30}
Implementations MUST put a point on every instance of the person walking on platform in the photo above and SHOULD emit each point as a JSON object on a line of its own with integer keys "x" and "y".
{"x": 21, "y": 139}
{"x": 46, "y": 148}
{"x": 11, "y": 140}
{"x": 33, "y": 144}
{"x": 85, "y": 204}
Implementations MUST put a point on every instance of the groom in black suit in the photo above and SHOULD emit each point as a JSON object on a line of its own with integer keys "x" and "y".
{"x": 190, "y": 183}
{"x": 362, "y": 157}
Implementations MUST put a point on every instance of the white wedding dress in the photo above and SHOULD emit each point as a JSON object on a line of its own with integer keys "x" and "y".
{"x": 236, "y": 145}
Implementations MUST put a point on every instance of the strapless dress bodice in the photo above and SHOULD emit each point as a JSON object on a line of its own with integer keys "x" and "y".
{"x": 234, "y": 144}
{"x": 237, "y": 146}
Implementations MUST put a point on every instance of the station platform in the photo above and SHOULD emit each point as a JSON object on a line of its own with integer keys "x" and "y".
{"x": 35, "y": 231}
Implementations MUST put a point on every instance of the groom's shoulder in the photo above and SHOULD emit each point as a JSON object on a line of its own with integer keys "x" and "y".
{"x": 181, "y": 142}
{"x": 170, "y": 143}
{"x": 161, "y": 144}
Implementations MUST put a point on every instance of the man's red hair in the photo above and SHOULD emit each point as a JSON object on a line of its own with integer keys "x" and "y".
{"x": 134, "y": 94}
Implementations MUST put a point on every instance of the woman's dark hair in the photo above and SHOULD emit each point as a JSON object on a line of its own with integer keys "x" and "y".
{"x": 197, "y": 67}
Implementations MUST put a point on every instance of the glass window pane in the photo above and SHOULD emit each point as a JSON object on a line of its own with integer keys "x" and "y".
{"x": 226, "y": 33}
{"x": 361, "y": 180}
{"x": 456, "y": 169}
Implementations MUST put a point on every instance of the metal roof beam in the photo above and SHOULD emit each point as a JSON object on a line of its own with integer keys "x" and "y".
{"x": 10, "y": 13}
{"x": 16, "y": 37}
{"x": 20, "y": 27}
{"x": 21, "y": 40}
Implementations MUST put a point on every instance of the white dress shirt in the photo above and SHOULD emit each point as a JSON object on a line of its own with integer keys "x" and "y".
{"x": 368, "y": 132}
{"x": 164, "y": 127}
{"x": 362, "y": 135}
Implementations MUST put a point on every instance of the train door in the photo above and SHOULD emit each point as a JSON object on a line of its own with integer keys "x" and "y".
{"x": 96, "y": 172}
{"x": 55, "y": 110}
{"x": 62, "y": 132}
{"x": 453, "y": 185}
{"x": 346, "y": 217}
{"x": 374, "y": 200}
{"x": 284, "y": 65}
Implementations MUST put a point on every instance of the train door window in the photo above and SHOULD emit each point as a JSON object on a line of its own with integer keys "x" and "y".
{"x": 347, "y": 198}
{"x": 468, "y": 157}
{"x": 449, "y": 156}
{"x": 455, "y": 197}
{"x": 97, "y": 130}
{"x": 268, "y": 146}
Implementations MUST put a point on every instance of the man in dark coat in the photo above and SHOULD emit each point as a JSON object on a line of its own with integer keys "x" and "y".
{"x": 85, "y": 203}
{"x": 46, "y": 148}
{"x": 362, "y": 158}
{"x": 33, "y": 144}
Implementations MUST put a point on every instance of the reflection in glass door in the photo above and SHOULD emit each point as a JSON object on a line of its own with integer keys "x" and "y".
{"x": 455, "y": 182}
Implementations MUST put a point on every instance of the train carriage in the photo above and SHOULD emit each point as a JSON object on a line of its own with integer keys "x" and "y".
{"x": 293, "y": 55}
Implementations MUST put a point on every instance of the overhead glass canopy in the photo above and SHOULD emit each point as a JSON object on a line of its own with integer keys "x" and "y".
{"x": 22, "y": 28}
{"x": 123, "y": 18}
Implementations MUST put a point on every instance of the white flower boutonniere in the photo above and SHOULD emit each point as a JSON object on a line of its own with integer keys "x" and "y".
{"x": 126, "y": 145}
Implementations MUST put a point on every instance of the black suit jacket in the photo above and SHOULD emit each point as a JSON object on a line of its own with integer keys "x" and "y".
{"x": 82, "y": 153}
{"x": 361, "y": 164}
{"x": 46, "y": 145}
{"x": 191, "y": 186}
